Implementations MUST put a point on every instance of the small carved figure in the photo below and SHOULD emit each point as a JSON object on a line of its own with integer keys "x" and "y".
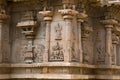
{"x": 57, "y": 54}
{"x": 38, "y": 53}
{"x": 73, "y": 53}
{"x": 58, "y": 32}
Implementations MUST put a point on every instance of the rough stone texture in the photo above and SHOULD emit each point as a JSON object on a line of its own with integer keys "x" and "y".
{"x": 59, "y": 40}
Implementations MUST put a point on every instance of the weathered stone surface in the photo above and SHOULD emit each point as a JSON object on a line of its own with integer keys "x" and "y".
{"x": 59, "y": 40}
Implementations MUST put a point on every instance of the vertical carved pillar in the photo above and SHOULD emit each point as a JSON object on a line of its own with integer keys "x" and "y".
{"x": 3, "y": 17}
{"x": 115, "y": 41}
{"x": 80, "y": 18}
{"x": 47, "y": 18}
{"x": 108, "y": 26}
{"x": 68, "y": 17}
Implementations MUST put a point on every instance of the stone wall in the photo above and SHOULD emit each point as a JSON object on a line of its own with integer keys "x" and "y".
{"x": 59, "y": 39}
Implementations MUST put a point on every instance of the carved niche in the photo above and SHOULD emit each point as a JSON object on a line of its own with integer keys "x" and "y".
{"x": 86, "y": 31}
{"x": 100, "y": 49}
{"x": 57, "y": 53}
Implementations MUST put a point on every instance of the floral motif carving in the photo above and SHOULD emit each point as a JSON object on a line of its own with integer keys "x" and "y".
{"x": 100, "y": 55}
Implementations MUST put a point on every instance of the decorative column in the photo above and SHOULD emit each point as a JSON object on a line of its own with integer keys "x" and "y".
{"x": 115, "y": 42}
{"x": 108, "y": 26}
{"x": 47, "y": 18}
{"x": 28, "y": 26}
{"x": 69, "y": 45}
{"x": 3, "y": 18}
{"x": 80, "y": 18}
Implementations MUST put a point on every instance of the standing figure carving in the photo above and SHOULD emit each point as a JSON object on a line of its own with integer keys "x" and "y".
{"x": 38, "y": 53}
{"x": 73, "y": 53}
{"x": 58, "y": 30}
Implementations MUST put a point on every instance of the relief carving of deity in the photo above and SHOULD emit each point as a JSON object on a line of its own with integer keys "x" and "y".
{"x": 57, "y": 53}
{"x": 58, "y": 30}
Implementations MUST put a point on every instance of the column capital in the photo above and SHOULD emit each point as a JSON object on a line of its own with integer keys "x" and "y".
{"x": 3, "y": 15}
{"x": 68, "y": 13}
{"x": 81, "y": 16}
{"x": 47, "y": 15}
{"x": 109, "y": 22}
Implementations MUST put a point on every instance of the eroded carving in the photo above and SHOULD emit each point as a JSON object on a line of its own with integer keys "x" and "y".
{"x": 38, "y": 53}
{"x": 57, "y": 53}
{"x": 86, "y": 57}
{"x": 28, "y": 52}
{"x": 100, "y": 55}
{"x": 73, "y": 53}
{"x": 58, "y": 30}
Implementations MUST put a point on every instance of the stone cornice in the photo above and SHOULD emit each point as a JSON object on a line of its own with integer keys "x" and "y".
{"x": 58, "y": 64}
{"x": 68, "y": 12}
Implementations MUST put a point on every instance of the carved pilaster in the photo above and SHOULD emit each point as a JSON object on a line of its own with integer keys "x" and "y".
{"x": 115, "y": 41}
{"x": 3, "y": 17}
{"x": 86, "y": 31}
{"x": 80, "y": 18}
{"x": 68, "y": 17}
{"x": 108, "y": 26}
{"x": 47, "y": 18}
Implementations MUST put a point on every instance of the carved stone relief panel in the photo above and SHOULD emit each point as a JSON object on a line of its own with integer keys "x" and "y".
{"x": 99, "y": 47}
{"x": 38, "y": 53}
{"x": 74, "y": 54}
{"x": 86, "y": 52}
{"x": 57, "y": 41}
{"x": 87, "y": 46}
{"x": 58, "y": 29}
{"x": 19, "y": 42}
{"x": 57, "y": 53}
